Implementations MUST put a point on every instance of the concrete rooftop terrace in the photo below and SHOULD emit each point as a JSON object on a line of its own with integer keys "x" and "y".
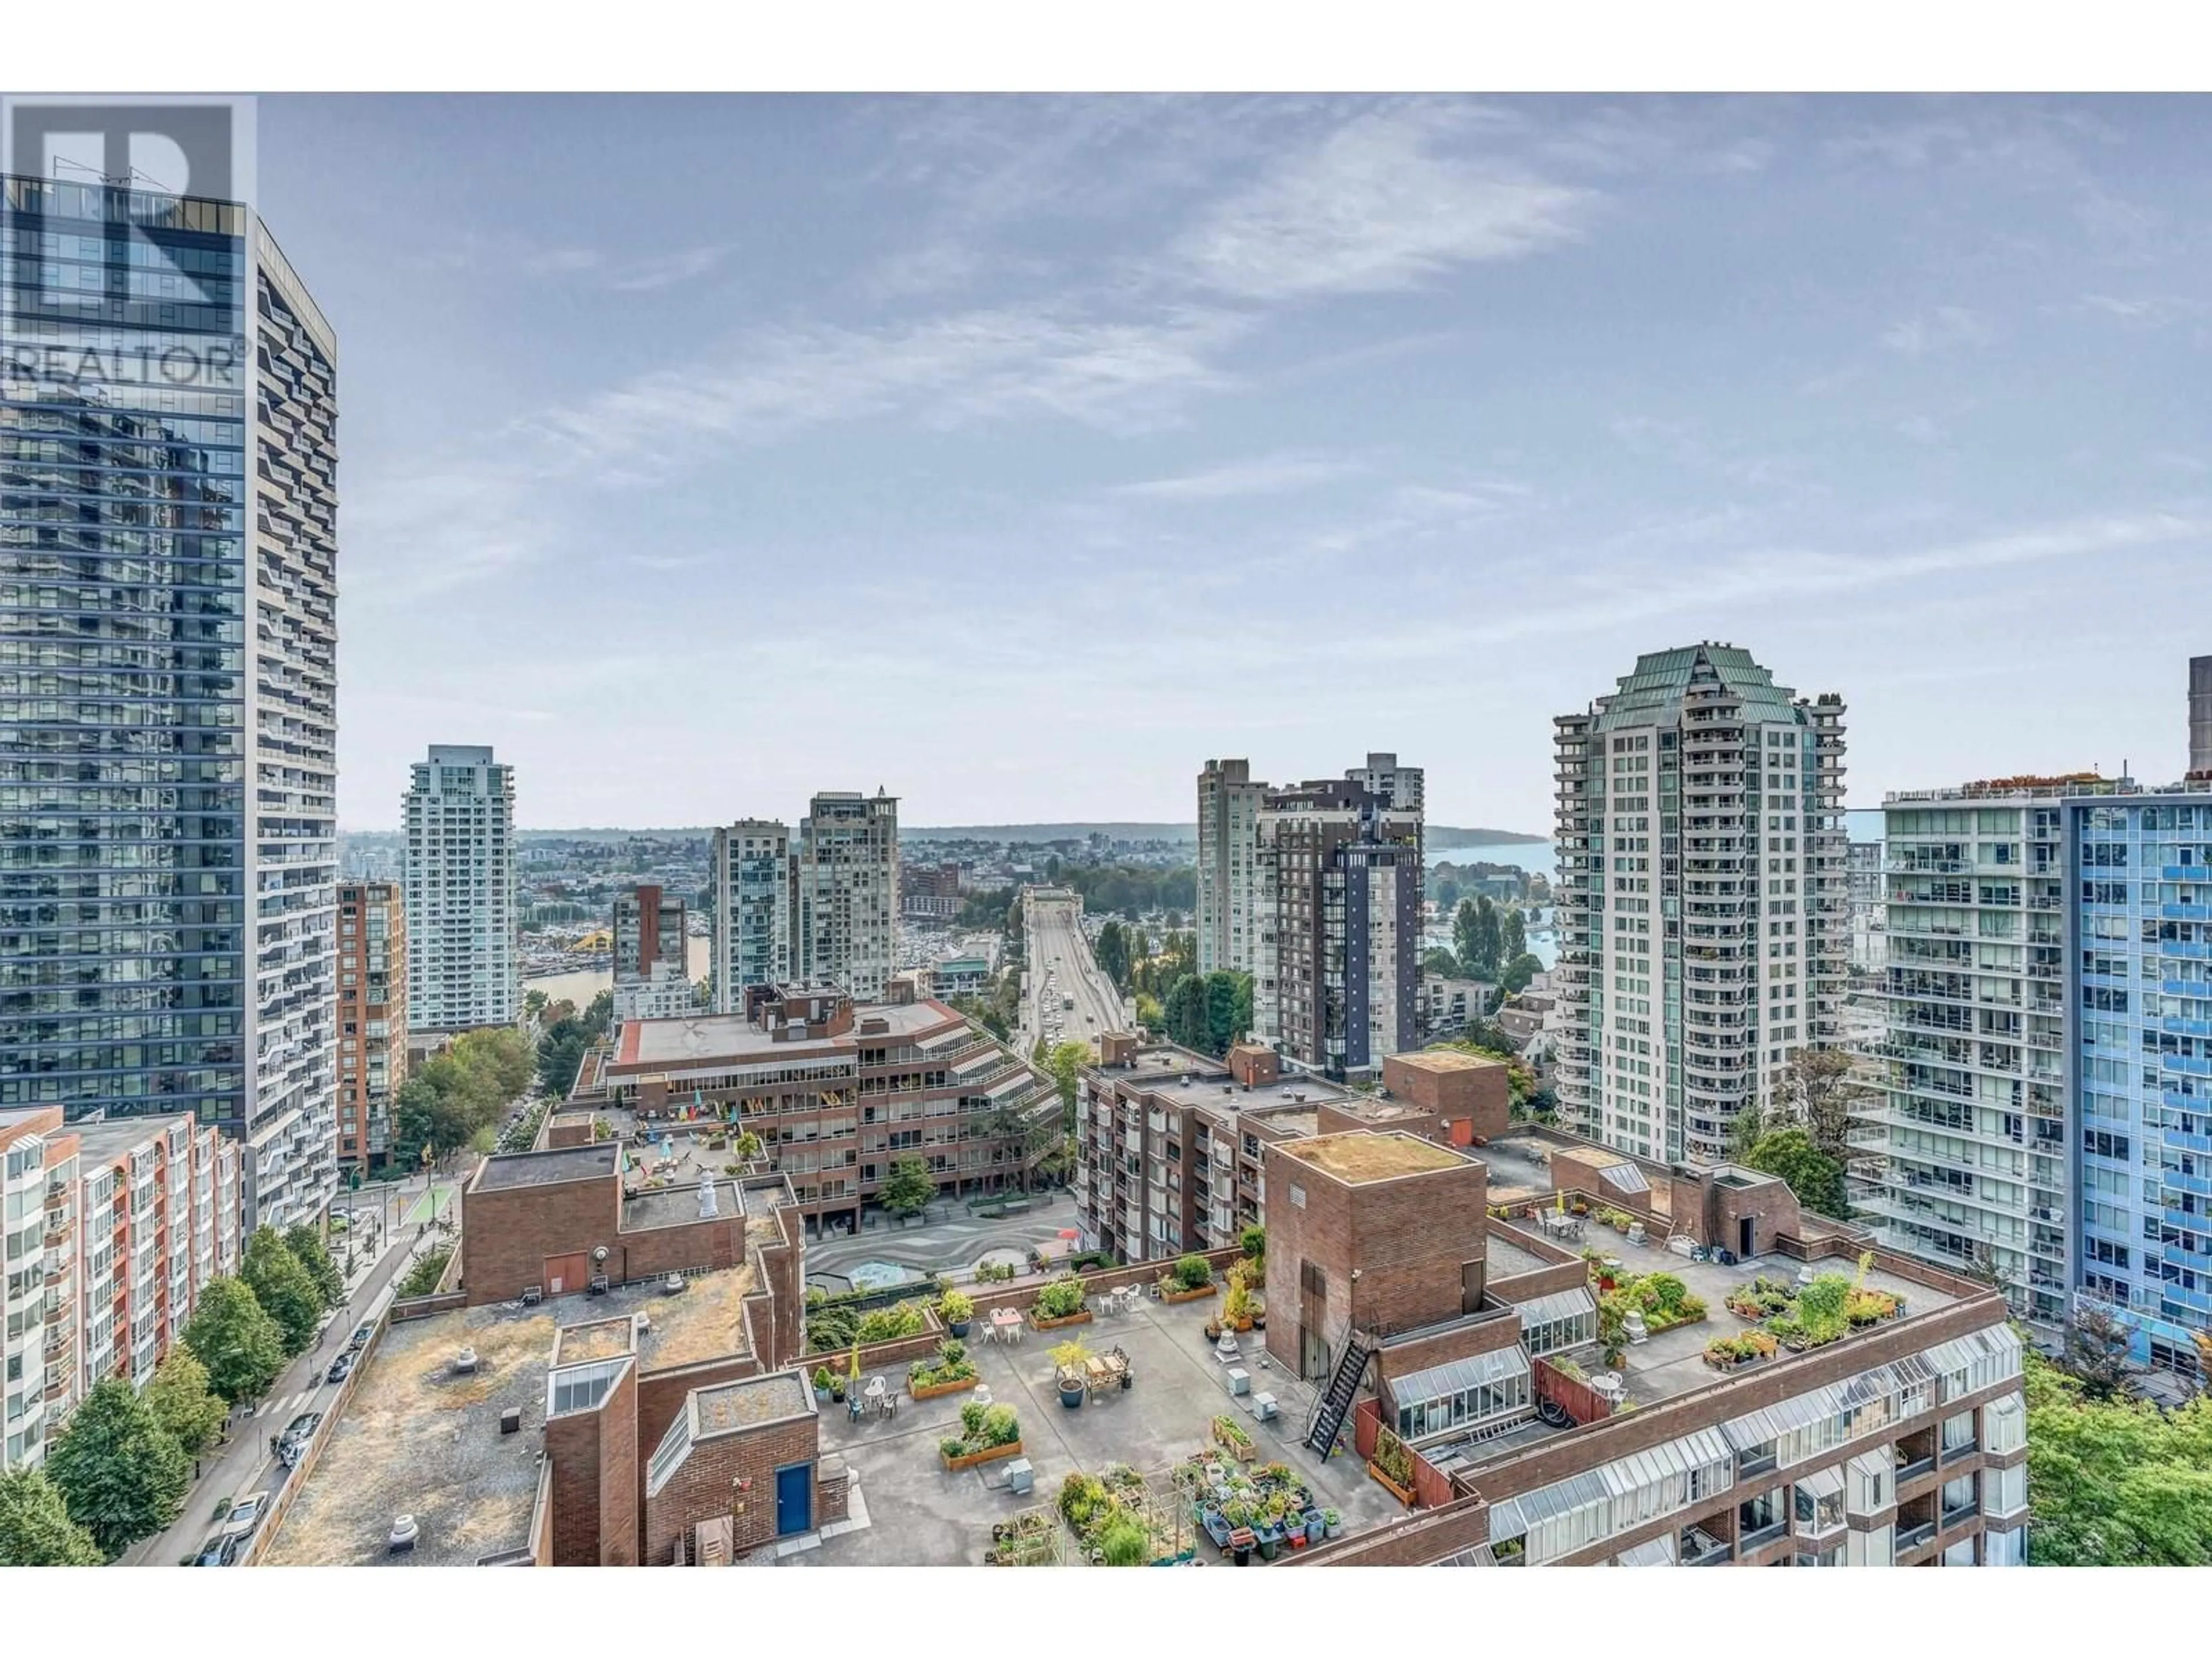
{"x": 417, "y": 1438}
{"x": 646, "y": 1043}
{"x": 1361, "y": 1157}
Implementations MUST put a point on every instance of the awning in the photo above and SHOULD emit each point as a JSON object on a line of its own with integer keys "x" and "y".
{"x": 1756, "y": 1428}
{"x": 1552, "y": 1309}
{"x": 1647, "y": 1468}
{"x": 1652, "y": 1552}
{"x": 1821, "y": 1483}
{"x": 1995, "y": 1341}
{"x": 1513, "y": 1516}
{"x": 1879, "y": 1461}
{"x": 1459, "y": 1376}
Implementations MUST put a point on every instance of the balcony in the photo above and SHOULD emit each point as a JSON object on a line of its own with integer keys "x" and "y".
{"x": 1699, "y": 1548}
{"x": 1912, "y": 1537}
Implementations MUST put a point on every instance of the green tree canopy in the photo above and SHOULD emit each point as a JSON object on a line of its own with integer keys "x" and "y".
{"x": 1816, "y": 1178}
{"x": 1513, "y": 978}
{"x": 36, "y": 1528}
{"x": 2116, "y": 1482}
{"x": 306, "y": 1243}
{"x": 235, "y": 1339}
{"x": 282, "y": 1285}
{"x": 1112, "y": 950}
{"x": 909, "y": 1187}
{"x": 1184, "y": 1011}
{"x": 184, "y": 1403}
{"x": 120, "y": 1473}
{"x": 1064, "y": 1064}
{"x": 1513, "y": 935}
{"x": 1441, "y": 962}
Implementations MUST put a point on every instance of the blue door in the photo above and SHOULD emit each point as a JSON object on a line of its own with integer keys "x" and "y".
{"x": 794, "y": 1499}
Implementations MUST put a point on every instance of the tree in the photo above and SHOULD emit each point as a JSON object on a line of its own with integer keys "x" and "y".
{"x": 121, "y": 1474}
{"x": 1478, "y": 937}
{"x": 909, "y": 1187}
{"x": 1513, "y": 978}
{"x": 1184, "y": 1011}
{"x": 307, "y": 1246}
{"x": 183, "y": 1403}
{"x": 1820, "y": 1092}
{"x": 2117, "y": 1482}
{"x": 282, "y": 1285}
{"x": 1816, "y": 1178}
{"x": 1065, "y": 1064}
{"x": 1228, "y": 1009}
{"x": 1745, "y": 1132}
{"x": 1112, "y": 950}
{"x": 1441, "y": 962}
{"x": 2097, "y": 1352}
{"x": 235, "y": 1339}
{"x": 1513, "y": 935}
{"x": 36, "y": 1528}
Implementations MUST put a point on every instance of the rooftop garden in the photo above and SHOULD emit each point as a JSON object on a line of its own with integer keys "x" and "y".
{"x": 1119, "y": 1522}
{"x": 950, "y": 1366}
{"x": 1801, "y": 1316}
{"x": 1263, "y": 1509}
{"x": 985, "y": 1432}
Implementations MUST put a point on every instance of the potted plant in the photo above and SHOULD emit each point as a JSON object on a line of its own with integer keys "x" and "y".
{"x": 1068, "y": 1369}
{"x": 822, "y": 1385}
{"x": 1060, "y": 1303}
{"x": 1332, "y": 1523}
{"x": 957, "y": 1308}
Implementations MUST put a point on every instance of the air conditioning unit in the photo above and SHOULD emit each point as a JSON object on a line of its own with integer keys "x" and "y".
{"x": 532, "y": 1295}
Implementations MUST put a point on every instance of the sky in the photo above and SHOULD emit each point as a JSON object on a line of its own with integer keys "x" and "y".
{"x": 1018, "y": 455}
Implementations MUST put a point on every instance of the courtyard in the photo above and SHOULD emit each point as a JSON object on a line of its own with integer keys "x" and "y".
{"x": 918, "y": 1514}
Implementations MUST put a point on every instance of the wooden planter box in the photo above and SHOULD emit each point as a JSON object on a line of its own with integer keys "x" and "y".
{"x": 988, "y": 1454}
{"x": 1403, "y": 1494}
{"x": 1039, "y": 1323}
{"x": 932, "y": 1390}
{"x": 1198, "y": 1295}
{"x": 1243, "y": 1453}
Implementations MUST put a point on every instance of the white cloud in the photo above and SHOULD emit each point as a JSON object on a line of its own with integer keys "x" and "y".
{"x": 1017, "y": 361}
{"x": 1272, "y": 475}
{"x": 1944, "y": 329}
{"x": 1383, "y": 202}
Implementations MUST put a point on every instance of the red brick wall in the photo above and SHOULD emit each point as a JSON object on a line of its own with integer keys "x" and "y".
{"x": 661, "y": 1394}
{"x": 507, "y": 1234}
{"x": 1501, "y": 1330}
{"x": 1255, "y": 1065}
{"x": 704, "y": 1486}
{"x": 1479, "y": 1095}
{"x": 1407, "y": 1237}
{"x": 1578, "y": 1400}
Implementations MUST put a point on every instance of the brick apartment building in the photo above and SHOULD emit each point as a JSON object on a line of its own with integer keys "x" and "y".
{"x": 613, "y": 1381}
{"x": 371, "y": 1016}
{"x": 837, "y": 1090}
{"x": 1475, "y": 1342}
{"x": 1170, "y": 1142}
{"x": 110, "y": 1229}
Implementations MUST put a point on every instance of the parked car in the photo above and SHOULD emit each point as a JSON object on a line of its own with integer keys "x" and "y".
{"x": 297, "y": 1434}
{"x": 221, "y": 1550}
{"x": 244, "y": 1515}
{"x": 361, "y": 1333}
{"x": 342, "y": 1367}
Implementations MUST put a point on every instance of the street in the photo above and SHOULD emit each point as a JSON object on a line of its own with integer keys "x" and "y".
{"x": 1061, "y": 964}
{"x": 244, "y": 1463}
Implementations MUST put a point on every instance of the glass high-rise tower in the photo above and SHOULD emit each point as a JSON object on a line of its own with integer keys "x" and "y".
{"x": 168, "y": 638}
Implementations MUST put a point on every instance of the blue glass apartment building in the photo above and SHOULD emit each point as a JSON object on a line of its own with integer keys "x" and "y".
{"x": 2046, "y": 1108}
{"x": 2142, "y": 1013}
{"x": 167, "y": 676}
